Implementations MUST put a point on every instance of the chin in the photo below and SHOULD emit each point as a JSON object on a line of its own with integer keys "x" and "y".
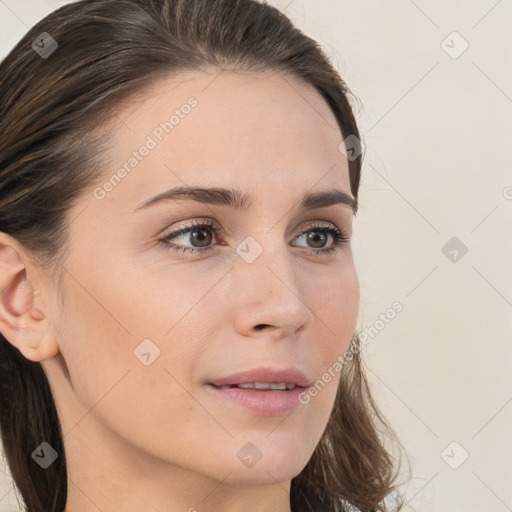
{"x": 267, "y": 465}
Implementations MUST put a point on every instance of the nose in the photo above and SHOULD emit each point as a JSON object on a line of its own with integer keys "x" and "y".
{"x": 268, "y": 294}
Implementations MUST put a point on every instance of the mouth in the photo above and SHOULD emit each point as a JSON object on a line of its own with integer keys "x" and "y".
{"x": 261, "y": 386}
{"x": 264, "y": 391}
{"x": 262, "y": 399}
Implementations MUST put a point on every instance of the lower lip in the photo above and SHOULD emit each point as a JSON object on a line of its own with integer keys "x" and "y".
{"x": 261, "y": 401}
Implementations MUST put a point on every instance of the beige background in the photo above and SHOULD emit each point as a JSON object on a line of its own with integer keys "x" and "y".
{"x": 438, "y": 127}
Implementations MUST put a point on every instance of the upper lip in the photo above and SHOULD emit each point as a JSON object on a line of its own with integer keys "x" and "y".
{"x": 264, "y": 375}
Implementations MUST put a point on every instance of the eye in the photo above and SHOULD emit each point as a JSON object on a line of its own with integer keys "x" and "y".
{"x": 197, "y": 232}
{"x": 339, "y": 238}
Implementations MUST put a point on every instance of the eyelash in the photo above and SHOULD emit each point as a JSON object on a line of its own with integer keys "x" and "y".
{"x": 339, "y": 237}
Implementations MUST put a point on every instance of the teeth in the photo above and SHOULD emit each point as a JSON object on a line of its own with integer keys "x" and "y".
{"x": 264, "y": 385}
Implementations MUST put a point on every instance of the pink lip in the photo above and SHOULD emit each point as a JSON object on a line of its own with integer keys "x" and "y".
{"x": 265, "y": 402}
{"x": 267, "y": 375}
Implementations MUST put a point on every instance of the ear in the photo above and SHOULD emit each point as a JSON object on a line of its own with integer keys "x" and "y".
{"x": 24, "y": 319}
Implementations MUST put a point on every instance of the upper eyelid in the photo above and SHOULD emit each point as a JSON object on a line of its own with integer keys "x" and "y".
{"x": 215, "y": 224}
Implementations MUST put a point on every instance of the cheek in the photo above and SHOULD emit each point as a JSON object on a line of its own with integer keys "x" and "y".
{"x": 97, "y": 350}
{"x": 147, "y": 405}
{"x": 336, "y": 306}
{"x": 100, "y": 327}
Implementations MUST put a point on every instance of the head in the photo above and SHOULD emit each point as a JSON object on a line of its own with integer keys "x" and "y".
{"x": 116, "y": 317}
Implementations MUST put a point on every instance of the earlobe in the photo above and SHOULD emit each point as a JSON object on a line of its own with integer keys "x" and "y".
{"x": 43, "y": 348}
{"x": 23, "y": 324}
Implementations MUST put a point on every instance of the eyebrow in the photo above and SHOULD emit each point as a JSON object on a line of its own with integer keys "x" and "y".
{"x": 241, "y": 201}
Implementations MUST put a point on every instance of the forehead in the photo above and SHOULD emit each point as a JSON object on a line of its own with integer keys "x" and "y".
{"x": 266, "y": 131}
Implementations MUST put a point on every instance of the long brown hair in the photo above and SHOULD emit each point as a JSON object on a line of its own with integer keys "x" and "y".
{"x": 50, "y": 106}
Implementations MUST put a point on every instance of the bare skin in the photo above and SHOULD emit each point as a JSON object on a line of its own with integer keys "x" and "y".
{"x": 151, "y": 437}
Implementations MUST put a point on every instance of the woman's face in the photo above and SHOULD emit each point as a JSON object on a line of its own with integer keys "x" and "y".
{"x": 143, "y": 329}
